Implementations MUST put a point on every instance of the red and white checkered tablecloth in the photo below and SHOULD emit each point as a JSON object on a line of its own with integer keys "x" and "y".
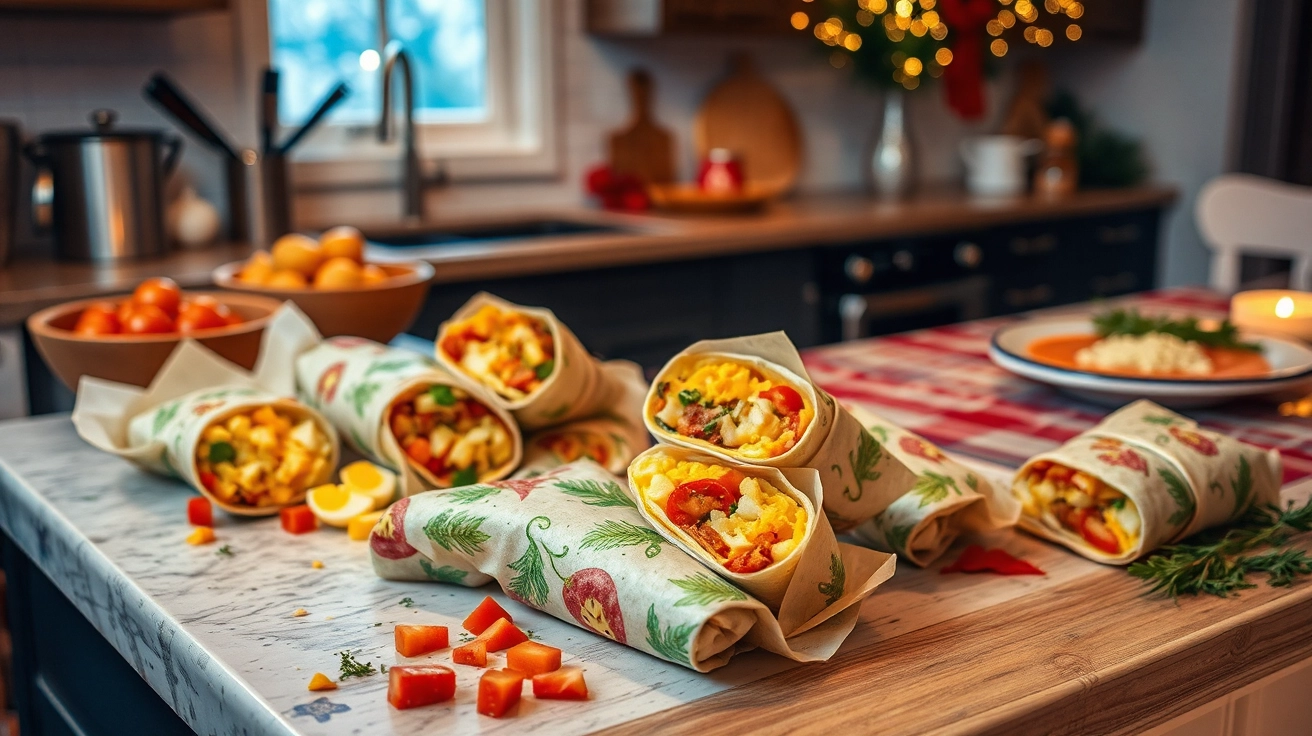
{"x": 941, "y": 384}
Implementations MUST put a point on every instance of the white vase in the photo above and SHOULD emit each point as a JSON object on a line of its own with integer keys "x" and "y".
{"x": 893, "y": 163}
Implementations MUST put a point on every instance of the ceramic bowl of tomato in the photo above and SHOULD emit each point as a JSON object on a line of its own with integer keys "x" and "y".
{"x": 128, "y": 341}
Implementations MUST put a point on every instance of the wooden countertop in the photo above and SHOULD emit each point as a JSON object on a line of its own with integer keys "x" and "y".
{"x": 29, "y": 285}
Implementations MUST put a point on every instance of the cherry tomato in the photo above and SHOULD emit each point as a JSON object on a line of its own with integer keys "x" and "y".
{"x": 161, "y": 292}
{"x": 147, "y": 319}
{"x": 784, "y": 398}
{"x": 197, "y": 316}
{"x": 125, "y": 309}
{"x": 1095, "y": 532}
{"x": 693, "y": 501}
{"x": 98, "y": 319}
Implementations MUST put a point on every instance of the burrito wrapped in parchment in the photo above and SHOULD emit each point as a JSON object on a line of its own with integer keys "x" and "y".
{"x": 571, "y": 542}
{"x": 749, "y": 400}
{"x": 404, "y": 411}
{"x": 611, "y": 439}
{"x": 1144, "y": 477}
{"x": 533, "y": 364}
{"x": 236, "y": 437}
{"x": 947, "y": 499}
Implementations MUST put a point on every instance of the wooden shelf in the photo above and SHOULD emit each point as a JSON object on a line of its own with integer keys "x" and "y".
{"x": 142, "y": 7}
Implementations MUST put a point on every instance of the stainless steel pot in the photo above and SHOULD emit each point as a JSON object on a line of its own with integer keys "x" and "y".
{"x": 102, "y": 190}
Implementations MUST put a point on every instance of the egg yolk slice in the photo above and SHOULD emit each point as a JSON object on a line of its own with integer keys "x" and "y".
{"x": 364, "y": 477}
{"x": 336, "y": 505}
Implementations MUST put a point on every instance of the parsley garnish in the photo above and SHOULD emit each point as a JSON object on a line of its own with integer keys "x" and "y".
{"x": 408, "y": 602}
{"x": 222, "y": 452}
{"x": 464, "y": 477}
{"x": 380, "y": 623}
{"x": 733, "y": 509}
{"x": 1130, "y": 322}
{"x": 351, "y": 668}
{"x": 662, "y": 387}
{"x": 544, "y": 370}
{"x": 663, "y": 425}
{"x": 443, "y": 395}
{"x": 224, "y": 551}
{"x": 1118, "y": 504}
{"x": 689, "y": 396}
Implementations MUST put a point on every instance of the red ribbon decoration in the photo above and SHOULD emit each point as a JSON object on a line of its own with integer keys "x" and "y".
{"x": 963, "y": 79}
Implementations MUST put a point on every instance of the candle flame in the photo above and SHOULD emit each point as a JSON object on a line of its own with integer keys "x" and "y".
{"x": 1285, "y": 308}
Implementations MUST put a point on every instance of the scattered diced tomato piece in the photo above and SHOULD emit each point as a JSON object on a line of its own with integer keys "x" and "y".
{"x": 209, "y": 480}
{"x": 502, "y": 635}
{"x": 532, "y": 658}
{"x": 410, "y": 686}
{"x": 484, "y": 616}
{"x": 499, "y": 691}
{"x": 200, "y": 512}
{"x": 475, "y": 653}
{"x": 419, "y": 450}
{"x": 320, "y": 681}
{"x": 412, "y": 641}
{"x": 565, "y": 683}
{"x": 201, "y": 535}
{"x": 298, "y": 519}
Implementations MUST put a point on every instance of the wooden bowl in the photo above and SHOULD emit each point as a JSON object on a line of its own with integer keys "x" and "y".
{"x": 379, "y": 312}
{"x": 135, "y": 359}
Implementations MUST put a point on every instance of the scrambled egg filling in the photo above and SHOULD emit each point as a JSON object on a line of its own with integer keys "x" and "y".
{"x": 510, "y": 352}
{"x": 262, "y": 457}
{"x": 763, "y": 520}
{"x": 1148, "y": 354}
{"x": 1064, "y": 499}
{"x": 451, "y": 435}
{"x": 731, "y": 405}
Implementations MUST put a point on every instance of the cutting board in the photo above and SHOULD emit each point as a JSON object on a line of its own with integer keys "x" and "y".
{"x": 748, "y": 116}
{"x": 643, "y": 148}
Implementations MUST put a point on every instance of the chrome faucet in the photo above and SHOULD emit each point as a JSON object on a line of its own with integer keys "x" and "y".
{"x": 393, "y": 56}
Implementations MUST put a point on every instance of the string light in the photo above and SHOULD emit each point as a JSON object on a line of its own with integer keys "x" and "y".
{"x": 943, "y": 56}
{"x": 1007, "y": 18}
{"x": 1073, "y": 32}
{"x": 799, "y": 20}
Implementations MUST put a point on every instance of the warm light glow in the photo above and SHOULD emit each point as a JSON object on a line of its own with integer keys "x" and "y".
{"x": 1073, "y": 32}
{"x": 369, "y": 60}
{"x": 903, "y": 8}
{"x": 929, "y": 18}
{"x": 1023, "y": 7}
{"x": 928, "y": 5}
{"x": 865, "y": 18}
{"x": 939, "y": 32}
{"x": 1044, "y": 37}
{"x": 913, "y": 67}
{"x": 994, "y": 28}
{"x": 911, "y": 82}
{"x": 902, "y": 22}
{"x": 877, "y": 6}
{"x": 1031, "y": 34}
{"x": 1285, "y": 308}
{"x": 896, "y": 35}
{"x": 799, "y": 20}
{"x": 852, "y": 42}
{"x": 943, "y": 56}
{"x": 998, "y": 47}
{"x": 1007, "y": 18}
{"x": 1052, "y": 6}
{"x": 1075, "y": 10}
{"x": 918, "y": 28}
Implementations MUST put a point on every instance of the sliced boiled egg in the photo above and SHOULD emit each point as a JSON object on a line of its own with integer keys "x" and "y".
{"x": 336, "y": 505}
{"x": 377, "y": 483}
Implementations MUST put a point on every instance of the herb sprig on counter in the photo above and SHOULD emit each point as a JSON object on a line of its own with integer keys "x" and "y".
{"x": 1218, "y": 562}
{"x": 1130, "y": 322}
{"x": 351, "y": 668}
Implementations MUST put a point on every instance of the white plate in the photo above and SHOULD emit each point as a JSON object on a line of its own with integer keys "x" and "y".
{"x": 1291, "y": 367}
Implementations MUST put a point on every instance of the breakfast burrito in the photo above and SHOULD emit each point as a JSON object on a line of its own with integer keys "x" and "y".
{"x": 534, "y": 366}
{"x": 611, "y": 439}
{"x": 1142, "y": 478}
{"x": 571, "y": 542}
{"x": 947, "y": 499}
{"x": 748, "y": 400}
{"x": 404, "y": 411}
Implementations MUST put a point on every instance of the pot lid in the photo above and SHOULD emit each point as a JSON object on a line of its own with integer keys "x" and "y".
{"x": 102, "y": 128}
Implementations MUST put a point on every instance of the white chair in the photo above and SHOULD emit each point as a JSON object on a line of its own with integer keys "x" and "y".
{"x": 1264, "y": 217}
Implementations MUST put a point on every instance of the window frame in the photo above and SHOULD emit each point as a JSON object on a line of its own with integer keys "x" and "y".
{"x": 519, "y": 139}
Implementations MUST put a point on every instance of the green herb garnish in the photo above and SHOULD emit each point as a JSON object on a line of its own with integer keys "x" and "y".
{"x": 224, "y": 551}
{"x": 1218, "y": 562}
{"x": 351, "y": 668}
{"x": 443, "y": 395}
{"x": 1118, "y": 504}
{"x": 1130, "y": 322}
{"x": 662, "y": 387}
{"x": 222, "y": 452}
{"x": 689, "y": 396}
{"x": 544, "y": 370}
{"x": 464, "y": 477}
{"x": 407, "y": 602}
{"x": 663, "y": 425}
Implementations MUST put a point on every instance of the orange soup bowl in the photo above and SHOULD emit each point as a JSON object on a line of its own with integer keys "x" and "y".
{"x": 379, "y": 312}
{"x": 135, "y": 359}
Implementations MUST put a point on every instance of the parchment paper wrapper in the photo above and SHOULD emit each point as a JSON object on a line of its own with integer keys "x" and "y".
{"x": 947, "y": 499}
{"x": 159, "y": 427}
{"x": 799, "y": 587}
{"x": 355, "y": 382}
{"x": 571, "y": 543}
{"x": 860, "y": 478}
{"x": 611, "y": 439}
{"x": 1182, "y": 478}
{"x": 576, "y": 388}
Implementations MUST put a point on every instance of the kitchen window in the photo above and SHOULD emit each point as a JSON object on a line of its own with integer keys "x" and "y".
{"x": 483, "y": 85}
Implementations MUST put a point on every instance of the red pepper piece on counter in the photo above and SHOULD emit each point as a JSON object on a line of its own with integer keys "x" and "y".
{"x": 410, "y": 686}
{"x": 499, "y": 691}
{"x": 502, "y": 635}
{"x": 474, "y": 653}
{"x": 532, "y": 658}
{"x": 200, "y": 512}
{"x": 484, "y": 616}
{"x": 977, "y": 559}
{"x": 298, "y": 519}
{"x": 412, "y": 641}
{"x": 566, "y": 683}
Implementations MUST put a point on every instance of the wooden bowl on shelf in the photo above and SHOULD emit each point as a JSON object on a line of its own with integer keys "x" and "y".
{"x": 135, "y": 359}
{"x": 379, "y": 312}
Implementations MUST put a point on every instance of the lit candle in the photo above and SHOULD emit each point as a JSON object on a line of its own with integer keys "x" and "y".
{"x": 1274, "y": 312}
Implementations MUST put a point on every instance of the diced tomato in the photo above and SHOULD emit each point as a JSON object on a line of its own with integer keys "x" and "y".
{"x": 298, "y": 519}
{"x": 755, "y": 559}
{"x": 566, "y": 683}
{"x": 454, "y": 346}
{"x": 693, "y": 501}
{"x": 473, "y": 653}
{"x": 785, "y": 399}
{"x": 499, "y": 691}
{"x": 412, "y": 641}
{"x": 208, "y": 479}
{"x": 476, "y": 410}
{"x": 502, "y": 635}
{"x": 484, "y": 616}
{"x": 434, "y": 466}
{"x": 410, "y": 686}
{"x": 522, "y": 378}
{"x": 731, "y": 479}
{"x": 533, "y": 658}
{"x": 1095, "y": 532}
{"x": 419, "y": 450}
{"x": 200, "y": 512}
{"x": 1059, "y": 474}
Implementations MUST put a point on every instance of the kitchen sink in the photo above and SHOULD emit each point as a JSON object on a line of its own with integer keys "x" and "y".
{"x": 420, "y": 237}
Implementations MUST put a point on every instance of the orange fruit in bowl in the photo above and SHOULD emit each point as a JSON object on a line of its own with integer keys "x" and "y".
{"x": 299, "y": 253}
{"x": 372, "y": 274}
{"x": 257, "y": 270}
{"x": 338, "y": 273}
{"x": 287, "y": 280}
{"x": 343, "y": 242}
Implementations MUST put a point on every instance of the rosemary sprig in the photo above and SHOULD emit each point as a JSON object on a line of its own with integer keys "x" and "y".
{"x": 351, "y": 668}
{"x": 1130, "y": 322}
{"x": 1218, "y": 562}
